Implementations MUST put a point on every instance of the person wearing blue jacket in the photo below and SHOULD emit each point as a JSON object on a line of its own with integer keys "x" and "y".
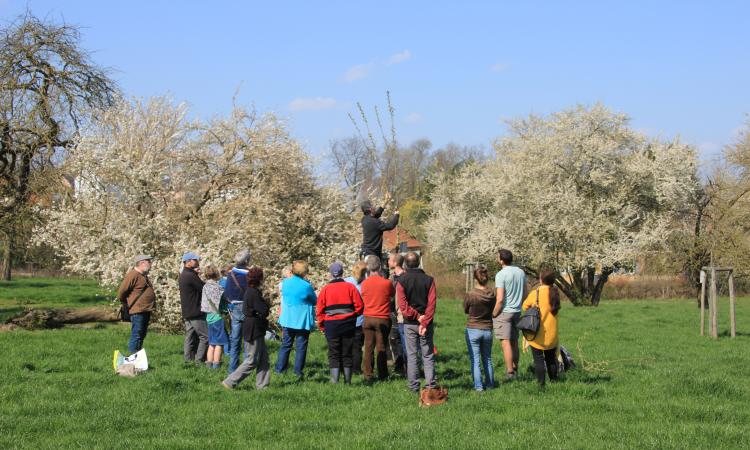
{"x": 234, "y": 292}
{"x": 297, "y": 318}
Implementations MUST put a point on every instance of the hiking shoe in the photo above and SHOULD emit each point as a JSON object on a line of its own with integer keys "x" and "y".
{"x": 510, "y": 377}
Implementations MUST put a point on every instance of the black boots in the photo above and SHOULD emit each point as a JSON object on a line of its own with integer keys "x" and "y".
{"x": 347, "y": 375}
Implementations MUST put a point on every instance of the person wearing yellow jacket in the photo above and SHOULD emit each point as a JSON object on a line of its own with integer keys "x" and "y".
{"x": 544, "y": 344}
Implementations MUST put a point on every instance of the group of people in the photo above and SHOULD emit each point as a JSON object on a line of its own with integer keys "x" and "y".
{"x": 500, "y": 310}
{"x": 387, "y": 309}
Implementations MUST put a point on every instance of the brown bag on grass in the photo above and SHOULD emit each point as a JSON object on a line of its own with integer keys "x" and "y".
{"x": 433, "y": 396}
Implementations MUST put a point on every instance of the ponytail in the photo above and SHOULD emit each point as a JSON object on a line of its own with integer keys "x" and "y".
{"x": 554, "y": 300}
{"x": 548, "y": 278}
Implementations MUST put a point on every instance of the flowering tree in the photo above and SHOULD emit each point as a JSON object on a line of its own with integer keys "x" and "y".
{"x": 579, "y": 191}
{"x": 724, "y": 239}
{"x": 148, "y": 180}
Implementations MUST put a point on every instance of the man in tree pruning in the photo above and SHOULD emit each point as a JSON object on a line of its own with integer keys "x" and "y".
{"x": 373, "y": 228}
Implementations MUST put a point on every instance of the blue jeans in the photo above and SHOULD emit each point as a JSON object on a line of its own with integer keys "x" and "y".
{"x": 235, "y": 342}
{"x": 288, "y": 336}
{"x": 138, "y": 329}
{"x": 479, "y": 343}
{"x": 403, "y": 338}
{"x": 402, "y": 333}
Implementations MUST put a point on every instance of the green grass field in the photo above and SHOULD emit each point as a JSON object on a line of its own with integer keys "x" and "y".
{"x": 48, "y": 293}
{"x": 669, "y": 388}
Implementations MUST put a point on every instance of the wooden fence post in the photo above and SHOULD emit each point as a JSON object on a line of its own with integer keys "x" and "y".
{"x": 469, "y": 269}
{"x": 714, "y": 305}
{"x": 703, "y": 302}
{"x": 732, "y": 322}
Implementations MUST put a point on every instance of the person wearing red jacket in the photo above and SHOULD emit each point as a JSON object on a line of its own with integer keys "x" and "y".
{"x": 377, "y": 292}
{"x": 416, "y": 296}
{"x": 339, "y": 305}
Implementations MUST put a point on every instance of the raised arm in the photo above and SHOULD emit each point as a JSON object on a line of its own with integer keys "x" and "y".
{"x": 391, "y": 224}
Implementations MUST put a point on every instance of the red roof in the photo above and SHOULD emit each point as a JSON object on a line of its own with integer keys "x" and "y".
{"x": 392, "y": 239}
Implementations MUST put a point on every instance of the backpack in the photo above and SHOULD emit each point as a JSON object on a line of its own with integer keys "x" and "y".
{"x": 433, "y": 396}
{"x": 565, "y": 360}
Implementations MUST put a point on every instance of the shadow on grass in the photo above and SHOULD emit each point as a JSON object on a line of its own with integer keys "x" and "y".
{"x": 575, "y": 375}
{"x": 726, "y": 334}
{"x": 579, "y": 376}
{"x": 7, "y": 313}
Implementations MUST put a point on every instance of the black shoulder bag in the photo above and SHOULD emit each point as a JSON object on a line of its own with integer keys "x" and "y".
{"x": 530, "y": 320}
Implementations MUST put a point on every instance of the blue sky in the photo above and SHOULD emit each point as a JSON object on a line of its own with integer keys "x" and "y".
{"x": 455, "y": 70}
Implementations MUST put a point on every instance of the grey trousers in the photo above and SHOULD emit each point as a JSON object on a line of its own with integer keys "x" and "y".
{"x": 257, "y": 358}
{"x": 195, "y": 330}
{"x": 413, "y": 339}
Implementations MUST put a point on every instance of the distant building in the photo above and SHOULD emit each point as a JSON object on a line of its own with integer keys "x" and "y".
{"x": 401, "y": 241}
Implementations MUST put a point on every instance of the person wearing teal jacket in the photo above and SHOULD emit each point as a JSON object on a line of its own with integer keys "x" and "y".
{"x": 297, "y": 318}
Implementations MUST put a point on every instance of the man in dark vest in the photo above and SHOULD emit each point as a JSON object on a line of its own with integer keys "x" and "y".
{"x": 416, "y": 296}
{"x": 373, "y": 228}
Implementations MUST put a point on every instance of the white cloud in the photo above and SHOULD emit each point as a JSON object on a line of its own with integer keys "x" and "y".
{"x": 358, "y": 72}
{"x": 399, "y": 57}
{"x": 414, "y": 118}
{"x": 312, "y": 104}
{"x": 499, "y": 67}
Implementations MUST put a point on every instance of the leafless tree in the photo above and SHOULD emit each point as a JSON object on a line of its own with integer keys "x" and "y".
{"x": 353, "y": 161}
{"x": 447, "y": 158}
{"x": 49, "y": 89}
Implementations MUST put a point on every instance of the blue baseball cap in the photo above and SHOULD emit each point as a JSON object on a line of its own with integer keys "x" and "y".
{"x": 190, "y": 255}
{"x": 336, "y": 269}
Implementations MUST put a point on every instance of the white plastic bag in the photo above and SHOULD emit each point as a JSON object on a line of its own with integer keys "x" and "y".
{"x": 138, "y": 360}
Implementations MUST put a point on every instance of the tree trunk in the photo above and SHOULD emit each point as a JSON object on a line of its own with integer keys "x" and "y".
{"x": 7, "y": 261}
{"x": 579, "y": 284}
{"x": 584, "y": 289}
{"x": 56, "y": 318}
{"x": 596, "y": 295}
{"x": 568, "y": 289}
{"x": 698, "y": 256}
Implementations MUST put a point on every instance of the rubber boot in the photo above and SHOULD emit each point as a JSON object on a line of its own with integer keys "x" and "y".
{"x": 335, "y": 375}
{"x": 348, "y": 375}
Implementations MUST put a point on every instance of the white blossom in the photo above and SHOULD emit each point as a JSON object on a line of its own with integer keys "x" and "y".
{"x": 149, "y": 180}
{"x": 579, "y": 190}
